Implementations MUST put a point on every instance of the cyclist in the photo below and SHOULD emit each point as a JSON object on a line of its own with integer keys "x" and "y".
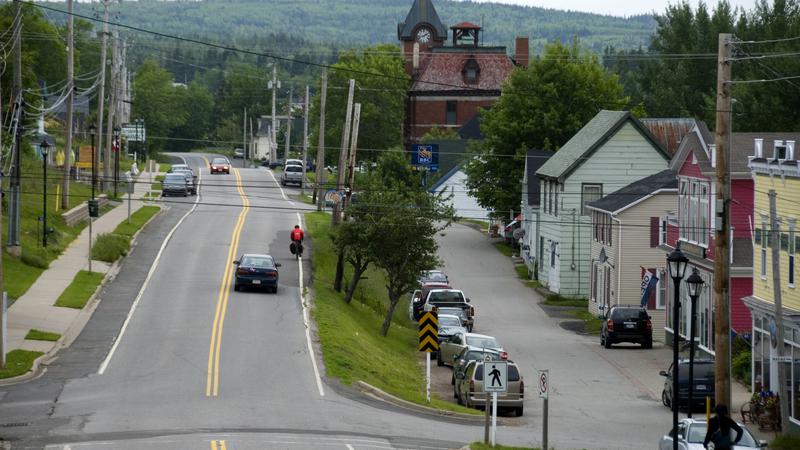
{"x": 297, "y": 241}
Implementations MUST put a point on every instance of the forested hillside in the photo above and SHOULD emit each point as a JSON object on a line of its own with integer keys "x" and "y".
{"x": 359, "y": 23}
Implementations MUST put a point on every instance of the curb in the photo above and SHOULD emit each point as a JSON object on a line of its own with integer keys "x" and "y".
{"x": 77, "y": 325}
{"x": 389, "y": 398}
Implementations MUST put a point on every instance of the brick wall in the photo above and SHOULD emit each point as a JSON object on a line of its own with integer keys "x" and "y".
{"x": 434, "y": 112}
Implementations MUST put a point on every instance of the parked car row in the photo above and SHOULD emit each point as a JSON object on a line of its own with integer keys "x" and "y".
{"x": 466, "y": 352}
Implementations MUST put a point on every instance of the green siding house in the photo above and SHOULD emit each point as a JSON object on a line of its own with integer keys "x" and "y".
{"x": 610, "y": 152}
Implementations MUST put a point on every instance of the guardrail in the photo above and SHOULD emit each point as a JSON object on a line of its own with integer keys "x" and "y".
{"x": 81, "y": 212}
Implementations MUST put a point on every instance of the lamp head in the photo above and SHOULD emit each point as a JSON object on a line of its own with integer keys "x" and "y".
{"x": 695, "y": 284}
{"x": 92, "y": 129}
{"x": 44, "y": 146}
{"x": 677, "y": 262}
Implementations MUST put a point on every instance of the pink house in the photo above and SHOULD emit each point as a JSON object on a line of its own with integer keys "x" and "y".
{"x": 692, "y": 224}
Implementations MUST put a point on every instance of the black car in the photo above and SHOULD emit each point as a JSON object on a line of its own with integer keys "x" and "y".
{"x": 175, "y": 184}
{"x": 703, "y": 383}
{"x": 627, "y": 324}
{"x": 277, "y": 163}
{"x": 256, "y": 271}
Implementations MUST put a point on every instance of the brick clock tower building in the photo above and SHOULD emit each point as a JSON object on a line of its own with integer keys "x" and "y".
{"x": 449, "y": 83}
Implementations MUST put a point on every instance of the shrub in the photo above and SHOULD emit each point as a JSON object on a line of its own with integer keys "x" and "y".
{"x": 740, "y": 366}
{"x": 110, "y": 247}
{"x": 34, "y": 260}
{"x": 785, "y": 442}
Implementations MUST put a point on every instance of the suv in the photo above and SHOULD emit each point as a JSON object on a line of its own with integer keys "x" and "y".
{"x": 292, "y": 174}
{"x": 703, "y": 383}
{"x": 469, "y": 388}
{"x": 627, "y": 324}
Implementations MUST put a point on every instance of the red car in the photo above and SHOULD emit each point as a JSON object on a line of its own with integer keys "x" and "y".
{"x": 220, "y": 165}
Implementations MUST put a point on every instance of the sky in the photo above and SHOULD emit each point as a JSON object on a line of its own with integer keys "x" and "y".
{"x": 615, "y": 7}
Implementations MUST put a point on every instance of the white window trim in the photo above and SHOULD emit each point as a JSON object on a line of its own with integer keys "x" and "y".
{"x": 763, "y": 247}
{"x": 790, "y": 253}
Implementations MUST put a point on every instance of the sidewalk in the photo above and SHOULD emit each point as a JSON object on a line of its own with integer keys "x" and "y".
{"x": 36, "y": 310}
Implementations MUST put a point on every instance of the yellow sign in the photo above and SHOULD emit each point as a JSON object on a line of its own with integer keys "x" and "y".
{"x": 429, "y": 332}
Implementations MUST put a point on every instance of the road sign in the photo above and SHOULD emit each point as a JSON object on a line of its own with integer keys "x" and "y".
{"x": 133, "y": 132}
{"x": 784, "y": 359}
{"x": 495, "y": 378}
{"x": 544, "y": 383}
{"x": 429, "y": 332}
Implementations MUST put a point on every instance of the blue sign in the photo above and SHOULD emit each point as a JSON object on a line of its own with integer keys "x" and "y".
{"x": 425, "y": 156}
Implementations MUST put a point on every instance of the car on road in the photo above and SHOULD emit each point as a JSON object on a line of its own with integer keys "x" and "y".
{"x": 434, "y": 276}
{"x": 220, "y": 165}
{"x": 703, "y": 383}
{"x": 175, "y": 184}
{"x": 448, "y": 298}
{"x": 292, "y": 175}
{"x": 191, "y": 178}
{"x": 416, "y": 304}
{"x": 256, "y": 271}
{"x": 470, "y": 392}
{"x": 238, "y": 153}
{"x": 451, "y": 347}
{"x": 692, "y": 432}
{"x": 468, "y": 354}
{"x": 448, "y": 326}
{"x": 275, "y": 164}
{"x": 294, "y": 162}
{"x": 175, "y": 167}
{"x": 626, "y": 324}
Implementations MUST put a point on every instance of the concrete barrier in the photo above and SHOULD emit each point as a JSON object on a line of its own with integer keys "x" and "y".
{"x": 81, "y": 212}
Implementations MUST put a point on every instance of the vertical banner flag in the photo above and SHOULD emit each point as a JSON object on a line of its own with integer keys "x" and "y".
{"x": 649, "y": 281}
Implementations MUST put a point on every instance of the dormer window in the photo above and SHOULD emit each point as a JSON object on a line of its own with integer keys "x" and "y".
{"x": 780, "y": 150}
{"x": 471, "y": 71}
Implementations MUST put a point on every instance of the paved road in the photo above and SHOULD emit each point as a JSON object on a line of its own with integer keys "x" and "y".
{"x": 202, "y": 366}
{"x": 593, "y": 402}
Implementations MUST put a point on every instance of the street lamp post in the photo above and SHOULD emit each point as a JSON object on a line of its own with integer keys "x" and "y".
{"x": 695, "y": 285}
{"x": 677, "y": 268}
{"x": 92, "y": 131}
{"x": 44, "y": 146}
{"x": 116, "y": 147}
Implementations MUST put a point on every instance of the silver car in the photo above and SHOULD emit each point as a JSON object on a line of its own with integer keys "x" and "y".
{"x": 469, "y": 388}
{"x": 458, "y": 341}
{"x": 292, "y": 174}
{"x": 692, "y": 432}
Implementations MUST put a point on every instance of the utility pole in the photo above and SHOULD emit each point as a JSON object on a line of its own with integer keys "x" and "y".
{"x": 101, "y": 95}
{"x": 70, "y": 100}
{"x": 244, "y": 137}
{"x": 352, "y": 157}
{"x": 342, "y": 168}
{"x": 775, "y": 237}
{"x": 13, "y": 242}
{"x": 305, "y": 143}
{"x": 319, "y": 186}
{"x": 288, "y": 125}
{"x": 112, "y": 106}
{"x": 340, "y": 174}
{"x": 274, "y": 85}
{"x": 252, "y": 144}
{"x": 722, "y": 331}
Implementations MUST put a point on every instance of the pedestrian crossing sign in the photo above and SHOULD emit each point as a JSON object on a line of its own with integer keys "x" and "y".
{"x": 495, "y": 376}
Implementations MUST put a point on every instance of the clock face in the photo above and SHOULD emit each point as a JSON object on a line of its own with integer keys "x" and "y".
{"x": 423, "y": 35}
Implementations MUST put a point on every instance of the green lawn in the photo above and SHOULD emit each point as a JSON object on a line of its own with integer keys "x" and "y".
{"x": 78, "y": 292}
{"x": 138, "y": 219}
{"x": 504, "y": 248}
{"x": 482, "y": 446}
{"x": 557, "y": 300}
{"x": 155, "y": 186}
{"x": 160, "y": 178}
{"x": 39, "y": 335}
{"x": 18, "y": 362}
{"x": 592, "y": 324}
{"x": 352, "y": 346}
{"x": 522, "y": 271}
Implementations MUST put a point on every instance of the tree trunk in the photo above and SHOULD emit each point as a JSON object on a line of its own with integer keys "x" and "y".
{"x": 337, "y": 282}
{"x": 351, "y": 288}
{"x": 394, "y": 298}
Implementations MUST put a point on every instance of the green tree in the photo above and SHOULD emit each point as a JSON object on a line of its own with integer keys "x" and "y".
{"x": 541, "y": 107}
{"x": 382, "y": 97}
{"x": 199, "y": 105}
{"x": 356, "y": 238}
{"x": 403, "y": 220}
{"x": 157, "y": 100}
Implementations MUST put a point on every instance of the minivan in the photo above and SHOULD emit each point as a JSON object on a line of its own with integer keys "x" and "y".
{"x": 469, "y": 388}
{"x": 703, "y": 383}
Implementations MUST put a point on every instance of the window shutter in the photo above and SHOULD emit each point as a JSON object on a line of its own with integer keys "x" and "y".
{"x": 654, "y": 231}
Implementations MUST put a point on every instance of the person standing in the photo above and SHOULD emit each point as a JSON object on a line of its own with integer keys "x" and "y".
{"x": 719, "y": 430}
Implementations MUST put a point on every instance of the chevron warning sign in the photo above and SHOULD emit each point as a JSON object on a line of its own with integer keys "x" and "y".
{"x": 429, "y": 332}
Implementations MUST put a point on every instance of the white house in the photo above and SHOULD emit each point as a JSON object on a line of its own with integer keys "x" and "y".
{"x": 454, "y": 183}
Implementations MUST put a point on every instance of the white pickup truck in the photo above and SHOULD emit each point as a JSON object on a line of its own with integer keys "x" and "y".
{"x": 450, "y": 298}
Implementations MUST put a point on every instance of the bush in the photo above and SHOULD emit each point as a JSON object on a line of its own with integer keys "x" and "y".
{"x": 785, "y": 442}
{"x": 110, "y": 247}
{"x": 740, "y": 367}
{"x": 34, "y": 260}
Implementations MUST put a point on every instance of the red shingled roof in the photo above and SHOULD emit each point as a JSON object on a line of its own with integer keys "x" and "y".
{"x": 443, "y": 71}
{"x": 465, "y": 25}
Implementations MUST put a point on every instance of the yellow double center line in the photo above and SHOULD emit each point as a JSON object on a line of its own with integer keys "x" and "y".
{"x": 218, "y": 445}
{"x": 212, "y": 384}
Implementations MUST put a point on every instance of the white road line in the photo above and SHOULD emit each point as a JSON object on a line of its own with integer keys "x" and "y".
{"x": 283, "y": 194}
{"x": 305, "y": 318}
{"x": 107, "y": 360}
{"x": 350, "y": 447}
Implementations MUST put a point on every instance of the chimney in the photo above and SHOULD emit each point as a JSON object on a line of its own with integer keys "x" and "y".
{"x": 759, "y": 148}
{"x": 522, "y": 52}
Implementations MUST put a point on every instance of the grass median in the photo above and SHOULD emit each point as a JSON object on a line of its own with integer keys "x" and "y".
{"x": 18, "y": 362}
{"x": 80, "y": 290}
{"x": 352, "y": 346}
{"x": 138, "y": 219}
{"x": 39, "y": 335}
